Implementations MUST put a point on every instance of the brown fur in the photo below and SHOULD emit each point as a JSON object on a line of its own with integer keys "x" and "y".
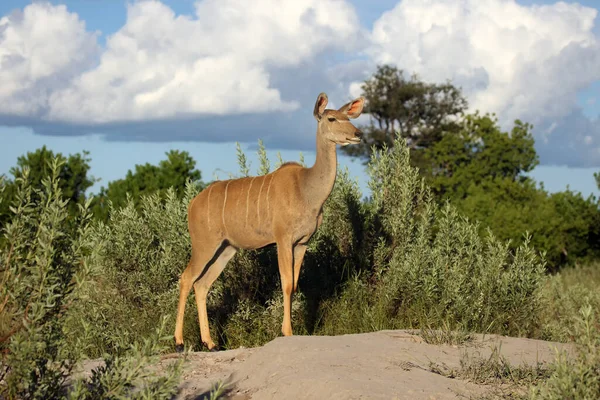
{"x": 283, "y": 207}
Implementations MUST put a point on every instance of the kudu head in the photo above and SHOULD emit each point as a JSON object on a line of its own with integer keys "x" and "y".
{"x": 335, "y": 125}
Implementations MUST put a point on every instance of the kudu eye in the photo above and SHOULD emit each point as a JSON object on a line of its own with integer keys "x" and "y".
{"x": 331, "y": 119}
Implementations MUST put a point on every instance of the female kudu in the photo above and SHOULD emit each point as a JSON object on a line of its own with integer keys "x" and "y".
{"x": 283, "y": 207}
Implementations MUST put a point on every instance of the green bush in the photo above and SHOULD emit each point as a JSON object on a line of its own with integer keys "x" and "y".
{"x": 44, "y": 264}
{"x": 570, "y": 314}
{"x": 564, "y": 295}
{"x": 139, "y": 255}
{"x": 432, "y": 268}
{"x": 578, "y": 376}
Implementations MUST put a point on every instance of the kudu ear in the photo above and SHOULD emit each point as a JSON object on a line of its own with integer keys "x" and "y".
{"x": 354, "y": 108}
{"x": 320, "y": 106}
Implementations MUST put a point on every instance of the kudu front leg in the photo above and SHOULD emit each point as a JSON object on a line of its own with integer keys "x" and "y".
{"x": 285, "y": 258}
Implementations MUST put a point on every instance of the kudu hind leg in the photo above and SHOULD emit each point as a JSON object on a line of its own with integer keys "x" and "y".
{"x": 299, "y": 252}
{"x": 201, "y": 288}
{"x": 200, "y": 258}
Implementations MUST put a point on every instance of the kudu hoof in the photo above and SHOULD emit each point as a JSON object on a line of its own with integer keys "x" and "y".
{"x": 213, "y": 349}
{"x": 179, "y": 348}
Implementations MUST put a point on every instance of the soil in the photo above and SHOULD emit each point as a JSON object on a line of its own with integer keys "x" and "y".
{"x": 380, "y": 365}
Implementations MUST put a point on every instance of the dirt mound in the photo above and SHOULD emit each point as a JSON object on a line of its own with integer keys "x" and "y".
{"x": 380, "y": 365}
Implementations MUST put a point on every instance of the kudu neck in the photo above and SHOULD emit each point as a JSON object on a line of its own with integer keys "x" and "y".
{"x": 321, "y": 176}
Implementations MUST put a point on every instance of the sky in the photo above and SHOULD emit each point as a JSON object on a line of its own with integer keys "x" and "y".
{"x": 130, "y": 80}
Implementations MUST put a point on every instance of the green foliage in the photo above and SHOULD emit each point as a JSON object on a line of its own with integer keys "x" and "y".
{"x": 564, "y": 295}
{"x": 563, "y": 225}
{"x": 174, "y": 172}
{"x": 45, "y": 263}
{"x": 140, "y": 254}
{"x": 242, "y": 160}
{"x": 265, "y": 165}
{"x": 252, "y": 324}
{"x": 279, "y": 162}
{"x": 431, "y": 266}
{"x": 73, "y": 174}
{"x": 132, "y": 376}
{"x": 478, "y": 152}
{"x": 481, "y": 170}
{"x": 420, "y": 112}
{"x": 576, "y": 377}
{"x": 42, "y": 265}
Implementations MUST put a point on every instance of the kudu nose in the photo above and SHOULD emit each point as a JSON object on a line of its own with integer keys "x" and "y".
{"x": 358, "y": 134}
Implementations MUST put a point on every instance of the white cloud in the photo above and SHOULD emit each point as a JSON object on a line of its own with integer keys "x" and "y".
{"x": 518, "y": 61}
{"x": 162, "y": 65}
{"x": 41, "y": 49}
{"x": 240, "y": 58}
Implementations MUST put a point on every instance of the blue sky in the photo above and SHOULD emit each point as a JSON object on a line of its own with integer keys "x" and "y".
{"x": 130, "y": 80}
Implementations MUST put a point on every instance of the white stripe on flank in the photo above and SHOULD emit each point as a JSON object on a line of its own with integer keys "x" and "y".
{"x": 223, "y": 211}
{"x": 258, "y": 201}
{"x": 268, "y": 190}
{"x": 208, "y": 207}
{"x": 248, "y": 199}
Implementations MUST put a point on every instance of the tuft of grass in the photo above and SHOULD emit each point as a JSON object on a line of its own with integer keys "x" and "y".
{"x": 445, "y": 335}
{"x": 496, "y": 369}
{"x": 504, "y": 379}
{"x": 218, "y": 391}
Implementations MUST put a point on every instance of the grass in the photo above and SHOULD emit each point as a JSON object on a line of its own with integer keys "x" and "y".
{"x": 446, "y": 335}
{"x": 570, "y": 313}
{"x": 504, "y": 379}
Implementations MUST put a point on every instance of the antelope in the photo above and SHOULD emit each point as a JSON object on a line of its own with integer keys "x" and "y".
{"x": 284, "y": 207}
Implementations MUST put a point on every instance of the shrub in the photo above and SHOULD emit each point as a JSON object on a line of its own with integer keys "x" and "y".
{"x": 44, "y": 264}
{"x": 139, "y": 257}
{"x": 564, "y": 295}
{"x": 576, "y": 377}
{"x": 431, "y": 267}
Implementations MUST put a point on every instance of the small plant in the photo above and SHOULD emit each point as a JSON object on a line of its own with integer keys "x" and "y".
{"x": 504, "y": 379}
{"x": 497, "y": 369}
{"x": 218, "y": 391}
{"x": 445, "y": 335}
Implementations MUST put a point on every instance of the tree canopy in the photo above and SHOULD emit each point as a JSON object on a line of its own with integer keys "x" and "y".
{"x": 483, "y": 172}
{"x": 479, "y": 151}
{"x": 175, "y": 171}
{"x": 419, "y": 111}
{"x": 73, "y": 175}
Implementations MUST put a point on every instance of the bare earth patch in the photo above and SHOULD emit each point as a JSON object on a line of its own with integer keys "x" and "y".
{"x": 379, "y": 365}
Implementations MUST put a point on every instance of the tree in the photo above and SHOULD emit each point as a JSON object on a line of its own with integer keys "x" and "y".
{"x": 477, "y": 152}
{"x": 418, "y": 111}
{"x": 147, "y": 178}
{"x": 73, "y": 175}
{"x": 482, "y": 170}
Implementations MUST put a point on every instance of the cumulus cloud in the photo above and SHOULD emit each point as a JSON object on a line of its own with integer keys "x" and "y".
{"x": 162, "y": 65}
{"x": 164, "y": 76}
{"x": 42, "y": 48}
{"x": 525, "y": 62}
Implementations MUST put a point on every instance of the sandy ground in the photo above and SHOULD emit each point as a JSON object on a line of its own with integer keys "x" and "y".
{"x": 379, "y": 365}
